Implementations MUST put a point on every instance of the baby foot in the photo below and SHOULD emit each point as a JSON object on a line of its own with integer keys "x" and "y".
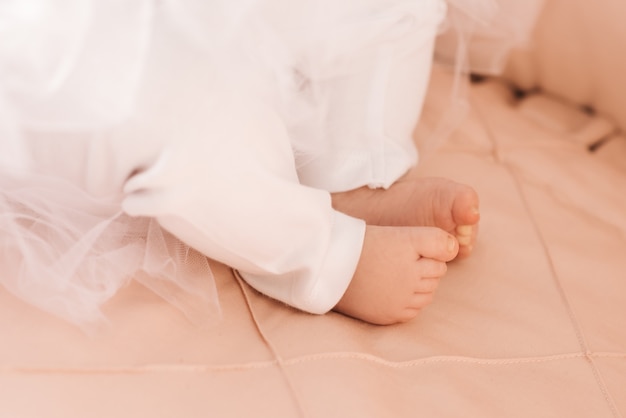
{"x": 438, "y": 202}
{"x": 397, "y": 273}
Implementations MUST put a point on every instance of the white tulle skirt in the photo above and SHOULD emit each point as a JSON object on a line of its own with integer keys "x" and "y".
{"x": 68, "y": 252}
{"x": 69, "y": 66}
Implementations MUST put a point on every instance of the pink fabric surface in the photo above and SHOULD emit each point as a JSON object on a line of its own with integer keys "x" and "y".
{"x": 577, "y": 53}
{"x": 531, "y": 325}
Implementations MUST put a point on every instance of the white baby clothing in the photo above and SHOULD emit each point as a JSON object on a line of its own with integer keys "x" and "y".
{"x": 228, "y": 123}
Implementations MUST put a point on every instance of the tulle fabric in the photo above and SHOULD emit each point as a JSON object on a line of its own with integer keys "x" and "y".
{"x": 485, "y": 31}
{"x": 68, "y": 253}
{"x": 67, "y": 65}
{"x": 476, "y": 38}
{"x": 76, "y": 66}
{"x": 71, "y": 66}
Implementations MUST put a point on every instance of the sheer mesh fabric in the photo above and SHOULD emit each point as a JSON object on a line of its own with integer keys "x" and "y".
{"x": 68, "y": 253}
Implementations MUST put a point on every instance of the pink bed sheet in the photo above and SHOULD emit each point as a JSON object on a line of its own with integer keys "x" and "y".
{"x": 533, "y": 324}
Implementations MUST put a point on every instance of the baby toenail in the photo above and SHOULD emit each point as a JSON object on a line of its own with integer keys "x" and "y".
{"x": 464, "y": 229}
{"x": 451, "y": 243}
{"x": 464, "y": 240}
{"x": 475, "y": 210}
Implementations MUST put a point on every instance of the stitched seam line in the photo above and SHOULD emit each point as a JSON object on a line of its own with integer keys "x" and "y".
{"x": 260, "y": 365}
{"x": 580, "y": 336}
{"x": 278, "y": 360}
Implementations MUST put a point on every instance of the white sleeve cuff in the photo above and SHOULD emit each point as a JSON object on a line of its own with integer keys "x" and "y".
{"x": 318, "y": 289}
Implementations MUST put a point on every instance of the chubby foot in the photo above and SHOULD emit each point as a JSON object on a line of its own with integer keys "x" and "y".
{"x": 437, "y": 202}
{"x": 398, "y": 273}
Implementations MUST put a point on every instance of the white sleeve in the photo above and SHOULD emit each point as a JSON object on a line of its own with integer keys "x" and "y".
{"x": 227, "y": 186}
{"x": 317, "y": 288}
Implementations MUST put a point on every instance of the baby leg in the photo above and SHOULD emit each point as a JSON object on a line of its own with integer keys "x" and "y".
{"x": 229, "y": 189}
{"x": 368, "y": 110}
{"x": 368, "y": 141}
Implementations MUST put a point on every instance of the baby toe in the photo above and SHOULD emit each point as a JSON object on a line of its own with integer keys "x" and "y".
{"x": 465, "y": 209}
{"x": 465, "y": 235}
